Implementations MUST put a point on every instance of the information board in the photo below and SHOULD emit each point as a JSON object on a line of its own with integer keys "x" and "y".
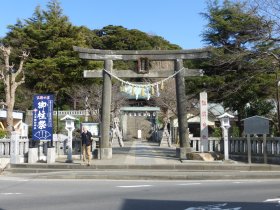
{"x": 92, "y": 127}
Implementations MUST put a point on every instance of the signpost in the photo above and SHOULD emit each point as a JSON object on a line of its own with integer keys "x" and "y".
{"x": 256, "y": 125}
{"x": 42, "y": 126}
{"x": 203, "y": 122}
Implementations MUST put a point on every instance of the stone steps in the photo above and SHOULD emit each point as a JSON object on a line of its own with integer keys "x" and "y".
{"x": 190, "y": 171}
{"x": 199, "y": 166}
{"x": 137, "y": 174}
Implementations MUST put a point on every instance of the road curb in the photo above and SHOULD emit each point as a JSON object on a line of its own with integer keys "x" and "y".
{"x": 202, "y": 167}
{"x": 147, "y": 176}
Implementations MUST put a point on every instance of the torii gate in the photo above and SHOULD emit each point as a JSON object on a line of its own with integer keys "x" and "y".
{"x": 143, "y": 57}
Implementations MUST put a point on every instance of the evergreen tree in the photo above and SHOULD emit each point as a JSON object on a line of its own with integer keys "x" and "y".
{"x": 120, "y": 38}
{"x": 241, "y": 76}
{"x": 53, "y": 66}
{"x": 50, "y": 38}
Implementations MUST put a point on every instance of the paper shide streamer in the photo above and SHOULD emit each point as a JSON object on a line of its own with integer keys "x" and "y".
{"x": 144, "y": 90}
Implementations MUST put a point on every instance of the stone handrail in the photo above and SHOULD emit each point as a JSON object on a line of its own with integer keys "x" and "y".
{"x": 67, "y": 112}
{"x": 5, "y": 146}
{"x": 237, "y": 147}
{"x": 214, "y": 144}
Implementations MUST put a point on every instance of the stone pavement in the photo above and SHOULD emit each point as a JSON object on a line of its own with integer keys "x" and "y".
{"x": 138, "y": 152}
{"x": 142, "y": 160}
{"x": 133, "y": 153}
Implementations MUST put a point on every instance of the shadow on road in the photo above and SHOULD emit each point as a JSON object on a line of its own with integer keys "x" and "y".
{"x": 134, "y": 204}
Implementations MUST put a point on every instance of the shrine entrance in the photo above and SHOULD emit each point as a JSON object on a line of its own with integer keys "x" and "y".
{"x": 140, "y": 123}
{"x": 143, "y": 58}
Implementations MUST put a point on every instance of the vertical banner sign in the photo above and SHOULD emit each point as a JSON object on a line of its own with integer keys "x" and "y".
{"x": 42, "y": 128}
{"x": 203, "y": 122}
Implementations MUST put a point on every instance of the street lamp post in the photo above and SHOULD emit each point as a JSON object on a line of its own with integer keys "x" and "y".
{"x": 225, "y": 125}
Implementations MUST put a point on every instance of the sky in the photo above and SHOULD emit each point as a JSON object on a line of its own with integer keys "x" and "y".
{"x": 177, "y": 21}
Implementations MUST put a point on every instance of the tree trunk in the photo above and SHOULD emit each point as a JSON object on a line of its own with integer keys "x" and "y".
{"x": 11, "y": 82}
{"x": 10, "y": 106}
{"x": 10, "y": 120}
{"x": 75, "y": 103}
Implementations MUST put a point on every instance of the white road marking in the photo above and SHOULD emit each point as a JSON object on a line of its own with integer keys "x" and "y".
{"x": 188, "y": 184}
{"x": 221, "y": 206}
{"x": 272, "y": 200}
{"x": 10, "y": 193}
{"x": 13, "y": 179}
{"x": 134, "y": 186}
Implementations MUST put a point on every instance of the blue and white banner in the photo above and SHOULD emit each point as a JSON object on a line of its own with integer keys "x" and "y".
{"x": 42, "y": 128}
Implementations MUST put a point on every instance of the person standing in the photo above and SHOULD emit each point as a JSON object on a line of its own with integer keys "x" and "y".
{"x": 86, "y": 145}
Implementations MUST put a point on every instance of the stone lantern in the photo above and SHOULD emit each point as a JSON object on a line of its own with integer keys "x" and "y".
{"x": 225, "y": 125}
{"x": 69, "y": 126}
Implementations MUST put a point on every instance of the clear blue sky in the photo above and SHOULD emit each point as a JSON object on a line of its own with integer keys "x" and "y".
{"x": 177, "y": 21}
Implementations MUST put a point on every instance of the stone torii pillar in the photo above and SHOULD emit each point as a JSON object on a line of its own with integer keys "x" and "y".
{"x": 105, "y": 149}
{"x": 184, "y": 148}
{"x": 143, "y": 57}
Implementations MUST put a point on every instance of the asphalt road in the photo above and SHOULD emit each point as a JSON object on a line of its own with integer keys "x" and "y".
{"x": 28, "y": 194}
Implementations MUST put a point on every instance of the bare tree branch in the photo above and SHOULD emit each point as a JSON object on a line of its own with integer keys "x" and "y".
{"x": 9, "y": 77}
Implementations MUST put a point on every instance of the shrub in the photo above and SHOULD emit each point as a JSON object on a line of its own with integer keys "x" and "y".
{"x": 3, "y": 134}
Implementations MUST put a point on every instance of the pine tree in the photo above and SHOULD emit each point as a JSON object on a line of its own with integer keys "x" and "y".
{"x": 241, "y": 75}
